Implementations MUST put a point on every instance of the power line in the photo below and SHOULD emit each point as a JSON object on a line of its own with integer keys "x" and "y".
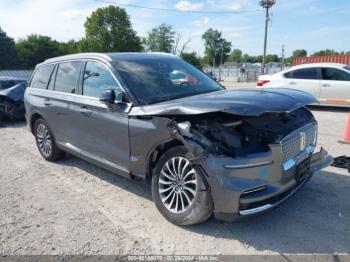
{"x": 175, "y": 10}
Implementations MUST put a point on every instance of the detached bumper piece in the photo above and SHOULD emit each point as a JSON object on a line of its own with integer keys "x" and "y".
{"x": 303, "y": 173}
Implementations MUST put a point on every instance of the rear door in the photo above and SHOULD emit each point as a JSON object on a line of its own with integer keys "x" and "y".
{"x": 37, "y": 96}
{"x": 335, "y": 87}
{"x": 306, "y": 79}
{"x": 63, "y": 94}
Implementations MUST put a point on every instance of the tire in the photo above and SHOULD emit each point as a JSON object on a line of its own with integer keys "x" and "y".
{"x": 191, "y": 208}
{"x": 45, "y": 142}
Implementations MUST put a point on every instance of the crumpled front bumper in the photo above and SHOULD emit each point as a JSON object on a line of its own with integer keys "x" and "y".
{"x": 249, "y": 186}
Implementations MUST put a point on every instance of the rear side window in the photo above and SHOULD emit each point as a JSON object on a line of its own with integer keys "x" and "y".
{"x": 41, "y": 76}
{"x": 335, "y": 74}
{"x": 288, "y": 75}
{"x": 67, "y": 77}
{"x": 306, "y": 73}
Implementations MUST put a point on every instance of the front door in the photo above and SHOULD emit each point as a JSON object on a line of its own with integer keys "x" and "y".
{"x": 335, "y": 87}
{"x": 103, "y": 131}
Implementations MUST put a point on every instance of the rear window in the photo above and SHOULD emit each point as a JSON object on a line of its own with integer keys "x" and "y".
{"x": 288, "y": 75}
{"x": 42, "y": 76}
{"x": 306, "y": 73}
{"x": 67, "y": 77}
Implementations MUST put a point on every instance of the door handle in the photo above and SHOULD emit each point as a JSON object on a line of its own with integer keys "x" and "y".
{"x": 85, "y": 111}
{"x": 47, "y": 102}
{"x": 292, "y": 83}
{"x": 326, "y": 85}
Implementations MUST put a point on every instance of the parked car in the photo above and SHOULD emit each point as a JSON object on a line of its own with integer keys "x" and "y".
{"x": 205, "y": 149}
{"x": 11, "y": 98}
{"x": 182, "y": 78}
{"x": 329, "y": 83}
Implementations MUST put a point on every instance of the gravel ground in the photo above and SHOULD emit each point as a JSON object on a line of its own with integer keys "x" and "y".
{"x": 73, "y": 207}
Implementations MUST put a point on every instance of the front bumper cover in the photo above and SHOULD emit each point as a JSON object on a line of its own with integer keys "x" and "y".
{"x": 250, "y": 186}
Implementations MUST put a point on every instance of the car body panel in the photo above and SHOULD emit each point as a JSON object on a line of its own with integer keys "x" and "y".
{"x": 245, "y": 102}
{"x": 127, "y": 140}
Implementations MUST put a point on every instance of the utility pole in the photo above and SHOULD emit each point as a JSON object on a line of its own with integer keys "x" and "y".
{"x": 267, "y": 4}
{"x": 214, "y": 47}
{"x": 283, "y": 50}
{"x": 222, "y": 51}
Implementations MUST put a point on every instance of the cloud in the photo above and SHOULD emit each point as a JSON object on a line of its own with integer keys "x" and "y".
{"x": 184, "y": 5}
{"x": 236, "y": 6}
{"x": 201, "y": 22}
{"x": 75, "y": 14}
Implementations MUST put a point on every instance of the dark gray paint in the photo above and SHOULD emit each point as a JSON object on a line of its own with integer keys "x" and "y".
{"x": 122, "y": 140}
{"x": 245, "y": 102}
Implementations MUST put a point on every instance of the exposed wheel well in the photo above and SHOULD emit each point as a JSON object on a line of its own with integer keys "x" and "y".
{"x": 34, "y": 117}
{"x": 158, "y": 152}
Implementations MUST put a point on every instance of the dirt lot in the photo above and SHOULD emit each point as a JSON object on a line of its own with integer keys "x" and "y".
{"x": 73, "y": 207}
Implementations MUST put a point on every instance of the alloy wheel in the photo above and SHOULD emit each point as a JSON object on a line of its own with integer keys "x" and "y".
{"x": 44, "y": 140}
{"x": 177, "y": 184}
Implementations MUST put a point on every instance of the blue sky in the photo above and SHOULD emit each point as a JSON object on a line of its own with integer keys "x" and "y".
{"x": 309, "y": 24}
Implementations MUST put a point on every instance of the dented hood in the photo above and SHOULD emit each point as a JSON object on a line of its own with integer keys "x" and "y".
{"x": 244, "y": 102}
{"x": 15, "y": 93}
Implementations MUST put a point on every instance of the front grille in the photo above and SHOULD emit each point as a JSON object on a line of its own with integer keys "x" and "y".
{"x": 297, "y": 141}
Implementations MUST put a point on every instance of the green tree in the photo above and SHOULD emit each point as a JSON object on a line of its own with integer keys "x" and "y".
{"x": 299, "y": 53}
{"x": 160, "y": 39}
{"x": 215, "y": 46}
{"x": 69, "y": 47}
{"x": 272, "y": 58}
{"x": 109, "y": 29}
{"x": 192, "y": 58}
{"x": 236, "y": 56}
{"x": 8, "y": 53}
{"x": 325, "y": 52}
{"x": 35, "y": 49}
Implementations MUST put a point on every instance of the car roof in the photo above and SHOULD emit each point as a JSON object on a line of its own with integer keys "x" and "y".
{"x": 108, "y": 57}
{"x": 312, "y": 65}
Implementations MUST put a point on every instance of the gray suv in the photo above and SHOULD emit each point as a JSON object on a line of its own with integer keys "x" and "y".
{"x": 234, "y": 153}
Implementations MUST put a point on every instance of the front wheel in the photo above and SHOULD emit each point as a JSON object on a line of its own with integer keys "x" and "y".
{"x": 179, "y": 189}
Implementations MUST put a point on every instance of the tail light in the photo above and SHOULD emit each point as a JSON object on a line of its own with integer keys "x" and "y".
{"x": 262, "y": 82}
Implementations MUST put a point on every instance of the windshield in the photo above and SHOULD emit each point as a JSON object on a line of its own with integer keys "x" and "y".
{"x": 154, "y": 80}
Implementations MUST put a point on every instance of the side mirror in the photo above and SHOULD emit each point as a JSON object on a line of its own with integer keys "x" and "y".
{"x": 107, "y": 97}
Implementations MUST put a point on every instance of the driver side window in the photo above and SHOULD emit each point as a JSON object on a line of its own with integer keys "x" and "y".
{"x": 334, "y": 74}
{"x": 97, "y": 78}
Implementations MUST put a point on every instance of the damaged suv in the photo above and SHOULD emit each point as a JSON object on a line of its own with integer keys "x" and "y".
{"x": 206, "y": 149}
{"x": 11, "y": 98}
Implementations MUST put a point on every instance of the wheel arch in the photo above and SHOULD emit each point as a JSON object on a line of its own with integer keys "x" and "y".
{"x": 156, "y": 152}
{"x": 34, "y": 117}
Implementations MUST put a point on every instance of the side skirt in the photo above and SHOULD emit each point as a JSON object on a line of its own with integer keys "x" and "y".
{"x": 101, "y": 162}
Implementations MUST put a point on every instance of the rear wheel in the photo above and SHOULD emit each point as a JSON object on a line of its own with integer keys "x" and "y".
{"x": 179, "y": 189}
{"x": 46, "y": 142}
